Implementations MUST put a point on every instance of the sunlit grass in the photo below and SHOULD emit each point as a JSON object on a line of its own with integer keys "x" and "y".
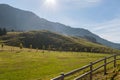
{"x": 31, "y": 65}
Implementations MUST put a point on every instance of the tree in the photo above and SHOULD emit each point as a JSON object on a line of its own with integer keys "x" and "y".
{"x": 31, "y": 46}
{"x": 71, "y": 49}
{"x": 21, "y": 46}
{"x": 2, "y": 45}
{"x": 0, "y": 32}
{"x": 4, "y": 31}
{"x": 43, "y": 47}
{"x": 49, "y": 47}
{"x": 36, "y": 49}
{"x": 85, "y": 49}
{"x": 76, "y": 49}
{"x": 12, "y": 30}
{"x": 60, "y": 48}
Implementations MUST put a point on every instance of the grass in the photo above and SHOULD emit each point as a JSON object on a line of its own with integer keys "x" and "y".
{"x": 32, "y": 65}
{"x": 112, "y": 74}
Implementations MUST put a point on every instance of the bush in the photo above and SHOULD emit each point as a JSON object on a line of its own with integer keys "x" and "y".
{"x": 31, "y": 46}
{"x": 2, "y": 45}
{"x": 21, "y": 46}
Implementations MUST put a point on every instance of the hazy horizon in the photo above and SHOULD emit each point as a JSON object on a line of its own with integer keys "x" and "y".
{"x": 100, "y": 17}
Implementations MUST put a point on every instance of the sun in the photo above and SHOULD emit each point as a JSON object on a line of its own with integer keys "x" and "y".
{"x": 51, "y": 2}
{"x": 50, "y": 5}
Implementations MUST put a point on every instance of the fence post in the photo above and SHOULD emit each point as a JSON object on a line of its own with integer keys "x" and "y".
{"x": 91, "y": 69}
{"x": 62, "y": 76}
{"x": 105, "y": 60}
{"x": 115, "y": 60}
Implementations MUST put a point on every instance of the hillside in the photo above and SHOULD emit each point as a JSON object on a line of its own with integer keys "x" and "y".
{"x": 20, "y": 20}
{"x": 53, "y": 41}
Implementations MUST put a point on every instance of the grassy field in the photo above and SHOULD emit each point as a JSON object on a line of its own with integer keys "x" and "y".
{"x": 25, "y": 65}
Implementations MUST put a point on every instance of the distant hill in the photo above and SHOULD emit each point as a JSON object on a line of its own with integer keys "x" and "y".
{"x": 20, "y": 20}
{"x": 53, "y": 41}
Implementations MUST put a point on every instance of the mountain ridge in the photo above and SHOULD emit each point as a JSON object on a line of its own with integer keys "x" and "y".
{"x": 21, "y": 20}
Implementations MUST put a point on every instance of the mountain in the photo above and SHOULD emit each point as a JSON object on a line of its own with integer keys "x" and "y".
{"x": 20, "y": 20}
{"x": 53, "y": 41}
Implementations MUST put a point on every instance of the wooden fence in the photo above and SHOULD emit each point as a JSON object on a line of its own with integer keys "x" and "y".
{"x": 113, "y": 59}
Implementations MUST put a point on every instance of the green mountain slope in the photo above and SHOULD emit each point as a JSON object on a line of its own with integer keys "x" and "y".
{"x": 52, "y": 41}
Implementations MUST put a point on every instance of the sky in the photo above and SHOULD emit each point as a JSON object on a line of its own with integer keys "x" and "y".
{"x": 101, "y": 17}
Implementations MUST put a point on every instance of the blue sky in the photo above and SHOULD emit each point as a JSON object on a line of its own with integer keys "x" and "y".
{"x": 101, "y": 17}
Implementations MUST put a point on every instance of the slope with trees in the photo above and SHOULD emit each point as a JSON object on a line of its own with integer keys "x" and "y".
{"x": 53, "y": 41}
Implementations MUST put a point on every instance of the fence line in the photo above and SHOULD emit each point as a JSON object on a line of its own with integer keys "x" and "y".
{"x": 91, "y": 69}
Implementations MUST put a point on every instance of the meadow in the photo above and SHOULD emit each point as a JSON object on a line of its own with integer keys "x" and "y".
{"x": 26, "y": 64}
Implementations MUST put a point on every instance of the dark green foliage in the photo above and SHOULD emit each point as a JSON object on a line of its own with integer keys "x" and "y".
{"x": 51, "y": 41}
{"x": 12, "y": 30}
{"x": 0, "y": 31}
{"x": 43, "y": 47}
{"x": 21, "y": 45}
{"x": 3, "y": 31}
{"x": 30, "y": 46}
{"x": 2, "y": 45}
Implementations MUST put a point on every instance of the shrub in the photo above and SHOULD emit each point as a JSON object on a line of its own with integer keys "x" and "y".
{"x": 2, "y": 45}
{"x": 21, "y": 46}
{"x": 31, "y": 46}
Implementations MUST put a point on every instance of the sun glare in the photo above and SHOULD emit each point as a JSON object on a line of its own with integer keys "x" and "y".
{"x": 50, "y": 3}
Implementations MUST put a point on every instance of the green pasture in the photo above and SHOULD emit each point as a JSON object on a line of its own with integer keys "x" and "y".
{"x": 36, "y": 65}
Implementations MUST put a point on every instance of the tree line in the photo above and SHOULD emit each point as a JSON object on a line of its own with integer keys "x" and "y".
{"x": 3, "y": 31}
{"x": 74, "y": 48}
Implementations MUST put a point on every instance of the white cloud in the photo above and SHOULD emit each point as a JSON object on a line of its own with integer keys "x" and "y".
{"x": 80, "y": 3}
{"x": 93, "y": 1}
{"x": 109, "y": 30}
{"x": 114, "y": 23}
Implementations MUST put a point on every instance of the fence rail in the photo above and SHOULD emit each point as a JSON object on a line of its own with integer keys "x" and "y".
{"x": 91, "y": 69}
